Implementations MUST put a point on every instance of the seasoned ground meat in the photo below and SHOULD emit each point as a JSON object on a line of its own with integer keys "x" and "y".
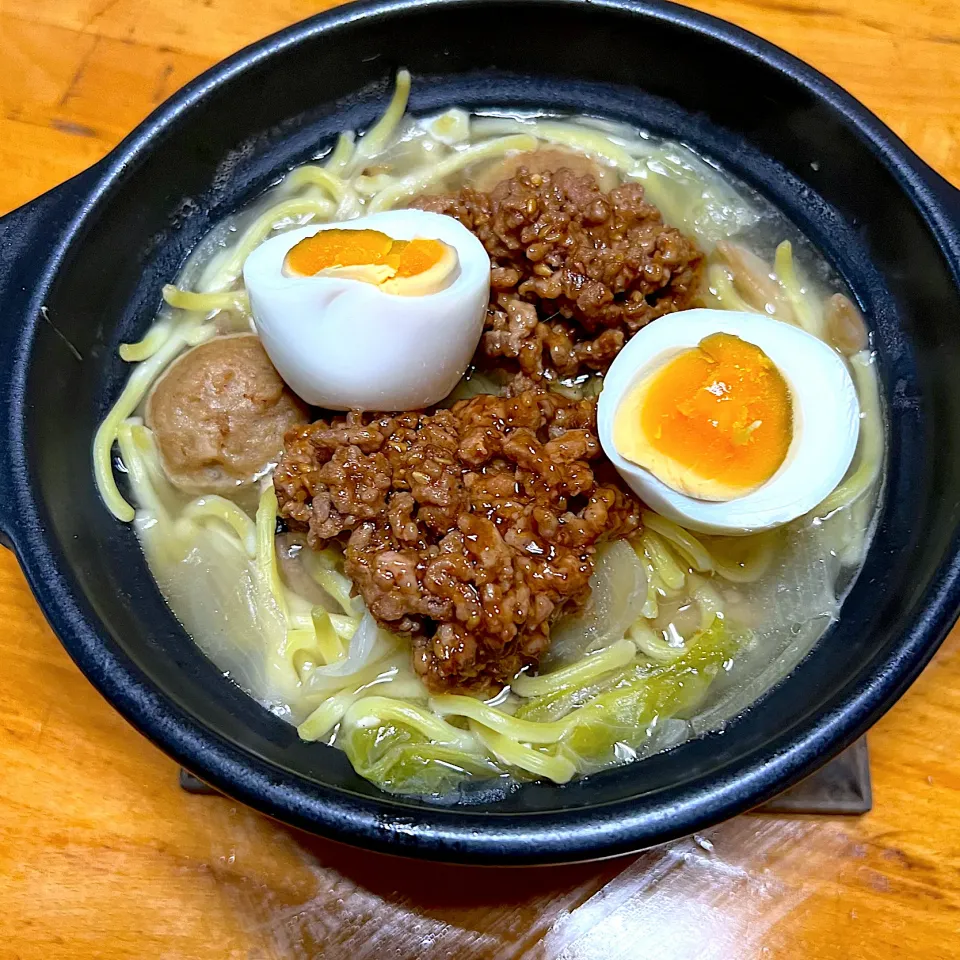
{"x": 219, "y": 414}
{"x": 575, "y": 271}
{"x": 544, "y": 159}
{"x": 470, "y": 528}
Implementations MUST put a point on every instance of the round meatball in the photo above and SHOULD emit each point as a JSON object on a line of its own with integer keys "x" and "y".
{"x": 220, "y": 413}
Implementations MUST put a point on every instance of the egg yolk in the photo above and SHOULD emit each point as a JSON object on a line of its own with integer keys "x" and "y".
{"x": 714, "y": 423}
{"x": 338, "y": 248}
{"x": 350, "y": 253}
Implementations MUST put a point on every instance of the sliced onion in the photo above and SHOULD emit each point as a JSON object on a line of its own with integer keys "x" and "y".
{"x": 618, "y": 592}
{"x": 367, "y": 645}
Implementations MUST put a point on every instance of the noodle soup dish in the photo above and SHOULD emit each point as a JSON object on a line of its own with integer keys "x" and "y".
{"x": 492, "y": 447}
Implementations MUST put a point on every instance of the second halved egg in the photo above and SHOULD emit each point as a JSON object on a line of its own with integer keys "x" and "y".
{"x": 728, "y": 422}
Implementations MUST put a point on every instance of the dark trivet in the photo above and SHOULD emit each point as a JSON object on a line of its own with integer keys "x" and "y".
{"x": 840, "y": 787}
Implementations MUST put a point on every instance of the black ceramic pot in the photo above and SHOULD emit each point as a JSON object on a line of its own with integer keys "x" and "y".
{"x": 81, "y": 270}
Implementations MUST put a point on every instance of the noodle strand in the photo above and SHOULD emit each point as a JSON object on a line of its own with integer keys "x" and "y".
{"x": 806, "y": 311}
{"x": 341, "y": 153}
{"x": 144, "y": 349}
{"x": 300, "y": 209}
{"x": 417, "y": 182}
{"x": 556, "y": 768}
{"x": 219, "y": 508}
{"x": 375, "y": 140}
{"x": 135, "y": 390}
{"x": 870, "y": 445}
{"x": 578, "y": 674}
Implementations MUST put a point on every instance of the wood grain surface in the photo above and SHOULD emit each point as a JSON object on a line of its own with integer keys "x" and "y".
{"x": 102, "y": 855}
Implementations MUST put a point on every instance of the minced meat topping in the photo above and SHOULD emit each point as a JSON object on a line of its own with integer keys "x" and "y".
{"x": 471, "y": 529}
{"x": 575, "y": 271}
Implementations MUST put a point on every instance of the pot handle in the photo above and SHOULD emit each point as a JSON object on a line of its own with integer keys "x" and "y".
{"x": 29, "y": 236}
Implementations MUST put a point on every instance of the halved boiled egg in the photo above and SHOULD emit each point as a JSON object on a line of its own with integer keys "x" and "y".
{"x": 380, "y": 313}
{"x": 728, "y": 422}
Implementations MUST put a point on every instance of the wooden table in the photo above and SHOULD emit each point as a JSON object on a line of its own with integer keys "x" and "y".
{"x": 102, "y": 855}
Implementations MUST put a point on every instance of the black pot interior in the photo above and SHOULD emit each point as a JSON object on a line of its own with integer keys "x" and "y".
{"x": 219, "y": 152}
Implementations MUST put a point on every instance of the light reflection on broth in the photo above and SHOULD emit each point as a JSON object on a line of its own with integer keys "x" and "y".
{"x": 682, "y": 630}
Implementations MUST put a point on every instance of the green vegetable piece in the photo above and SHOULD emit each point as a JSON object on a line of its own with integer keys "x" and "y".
{"x": 402, "y": 760}
{"x": 645, "y": 693}
{"x": 620, "y": 709}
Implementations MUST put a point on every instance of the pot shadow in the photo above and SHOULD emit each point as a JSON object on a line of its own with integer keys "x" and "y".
{"x": 445, "y": 885}
{"x": 364, "y": 904}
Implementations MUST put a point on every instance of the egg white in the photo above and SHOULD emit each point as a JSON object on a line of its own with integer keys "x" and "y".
{"x": 826, "y": 419}
{"x": 344, "y": 344}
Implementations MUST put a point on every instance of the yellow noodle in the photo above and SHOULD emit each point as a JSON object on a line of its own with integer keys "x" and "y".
{"x": 418, "y": 181}
{"x": 559, "y": 769}
{"x": 704, "y": 560}
{"x": 755, "y": 564}
{"x": 200, "y": 334}
{"x": 709, "y": 601}
{"x": 168, "y": 542}
{"x": 339, "y": 587}
{"x": 329, "y": 558}
{"x": 135, "y": 390}
{"x": 331, "y": 711}
{"x": 870, "y": 443}
{"x": 653, "y": 646}
{"x": 300, "y": 650}
{"x": 269, "y": 573}
{"x": 723, "y": 290}
{"x": 528, "y": 731}
{"x": 384, "y": 709}
{"x": 375, "y": 140}
{"x": 299, "y": 609}
{"x": 686, "y": 544}
{"x": 665, "y": 567}
{"x": 345, "y": 626}
{"x": 137, "y": 470}
{"x": 669, "y": 196}
{"x": 584, "y": 140}
{"x": 329, "y": 642}
{"x": 341, "y": 154}
{"x": 282, "y": 645}
{"x": 578, "y": 674}
{"x": 143, "y": 349}
{"x": 370, "y": 186}
{"x": 299, "y": 207}
{"x": 343, "y": 193}
{"x": 805, "y": 309}
{"x": 146, "y": 443}
{"x": 398, "y": 682}
{"x": 219, "y": 508}
{"x": 322, "y": 567}
{"x": 327, "y": 715}
{"x": 206, "y": 302}
{"x": 651, "y": 606}
{"x": 319, "y": 688}
{"x": 320, "y": 177}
